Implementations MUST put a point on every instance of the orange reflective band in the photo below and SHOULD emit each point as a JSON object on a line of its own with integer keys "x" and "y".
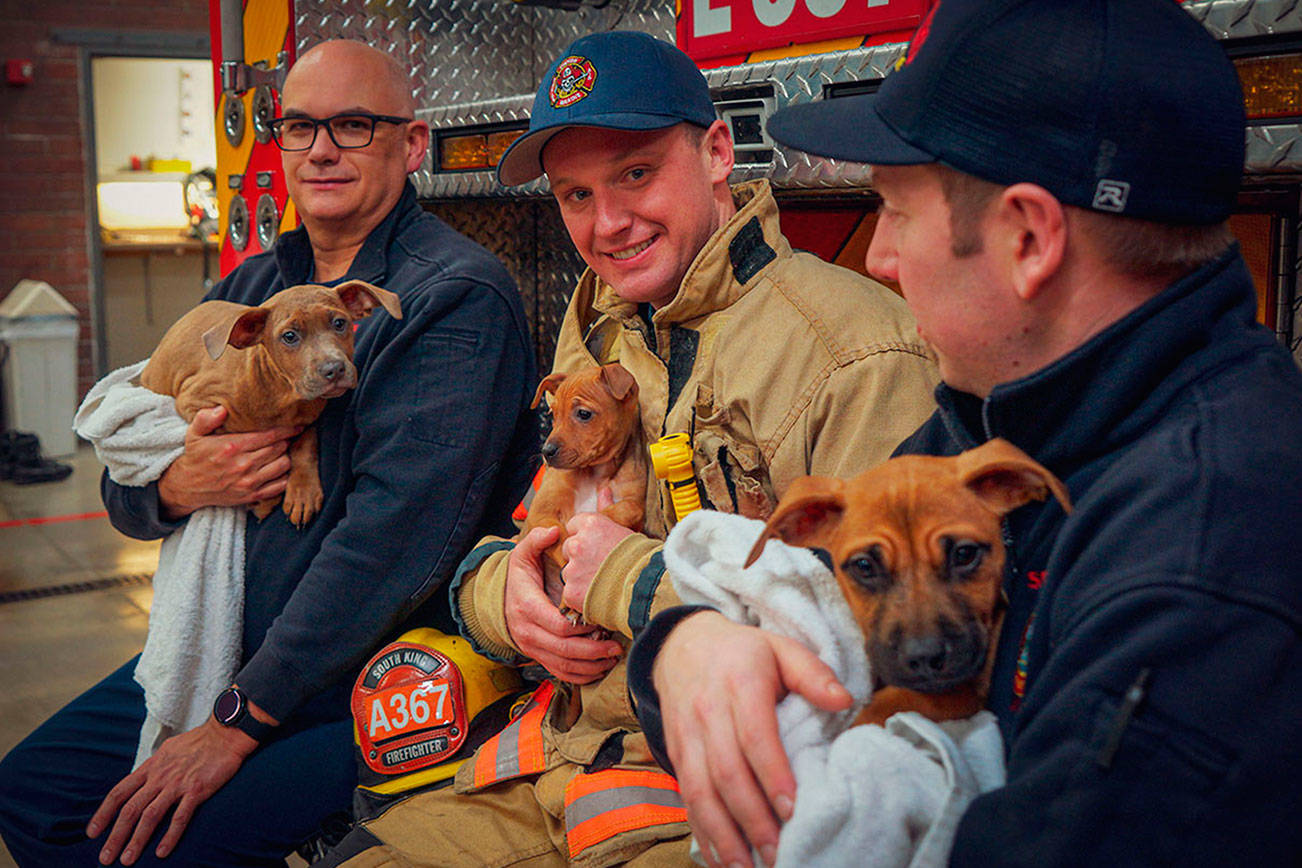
{"x": 601, "y": 805}
{"x": 486, "y": 760}
{"x": 518, "y": 749}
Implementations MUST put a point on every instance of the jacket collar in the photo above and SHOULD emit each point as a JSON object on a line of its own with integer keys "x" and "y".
{"x": 294, "y": 257}
{"x": 725, "y": 268}
{"x": 1112, "y": 388}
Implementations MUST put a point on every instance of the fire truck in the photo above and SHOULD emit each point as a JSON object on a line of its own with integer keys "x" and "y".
{"x": 476, "y": 64}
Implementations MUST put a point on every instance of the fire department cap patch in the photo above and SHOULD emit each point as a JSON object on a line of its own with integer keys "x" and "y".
{"x": 626, "y": 61}
{"x": 574, "y": 79}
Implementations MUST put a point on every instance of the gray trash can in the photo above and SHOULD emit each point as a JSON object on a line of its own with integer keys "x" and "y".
{"x": 38, "y": 334}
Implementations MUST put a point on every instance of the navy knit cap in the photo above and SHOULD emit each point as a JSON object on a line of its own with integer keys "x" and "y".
{"x": 1121, "y": 106}
{"x": 621, "y": 80}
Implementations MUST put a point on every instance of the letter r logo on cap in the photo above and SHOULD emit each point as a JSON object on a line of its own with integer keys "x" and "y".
{"x": 1111, "y": 196}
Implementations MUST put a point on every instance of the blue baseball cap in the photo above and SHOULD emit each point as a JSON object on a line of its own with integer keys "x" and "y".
{"x": 1120, "y": 106}
{"x": 621, "y": 80}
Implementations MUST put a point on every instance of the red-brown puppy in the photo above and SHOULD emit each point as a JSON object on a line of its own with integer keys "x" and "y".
{"x": 595, "y": 441}
{"x": 271, "y": 365}
{"x": 918, "y": 552}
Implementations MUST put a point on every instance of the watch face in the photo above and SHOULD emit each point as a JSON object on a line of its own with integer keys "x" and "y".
{"x": 228, "y": 706}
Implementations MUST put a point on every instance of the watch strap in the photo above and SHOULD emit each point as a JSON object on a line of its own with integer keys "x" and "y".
{"x": 252, "y": 727}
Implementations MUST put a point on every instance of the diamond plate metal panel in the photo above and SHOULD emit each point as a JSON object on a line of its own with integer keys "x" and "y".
{"x": 1236, "y": 19}
{"x": 559, "y": 268}
{"x": 1274, "y": 149}
{"x": 800, "y": 80}
{"x": 471, "y": 51}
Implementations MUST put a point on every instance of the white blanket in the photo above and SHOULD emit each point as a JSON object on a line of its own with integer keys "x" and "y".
{"x": 867, "y": 795}
{"x": 192, "y": 650}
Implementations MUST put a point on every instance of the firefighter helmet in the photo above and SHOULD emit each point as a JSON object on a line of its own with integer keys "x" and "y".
{"x": 421, "y": 706}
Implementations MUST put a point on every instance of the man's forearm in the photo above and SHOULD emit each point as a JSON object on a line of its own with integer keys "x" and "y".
{"x": 136, "y": 511}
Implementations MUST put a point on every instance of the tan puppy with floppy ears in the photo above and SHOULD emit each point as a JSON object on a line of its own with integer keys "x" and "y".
{"x": 271, "y": 365}
{"x": 595, "y": 442}
{"x": 918, "y": 551}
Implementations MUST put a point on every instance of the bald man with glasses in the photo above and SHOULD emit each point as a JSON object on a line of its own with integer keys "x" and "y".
{"x": 437, "y": 435}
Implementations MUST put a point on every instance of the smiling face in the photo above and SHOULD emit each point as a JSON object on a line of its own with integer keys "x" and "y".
{"x": 357, "y": 187}
{"x": 640, "y": 205}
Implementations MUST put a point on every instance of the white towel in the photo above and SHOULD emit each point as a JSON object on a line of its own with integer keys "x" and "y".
{"x": 867, "y": 795}
{"x": 196, "y": 623}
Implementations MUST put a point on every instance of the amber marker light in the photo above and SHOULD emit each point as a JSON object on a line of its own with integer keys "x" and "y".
{"x": 1272, "y": 86}
{"x": 499, "y": 142}
{"x": 463, "y": 152}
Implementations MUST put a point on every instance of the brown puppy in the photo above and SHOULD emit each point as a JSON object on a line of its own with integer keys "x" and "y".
{"x": 290, "y": 354}
{"x": 595, "y": 441}
{"x": 919, "y": 554}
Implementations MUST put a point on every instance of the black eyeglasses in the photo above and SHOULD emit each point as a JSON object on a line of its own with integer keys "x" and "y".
{"x": 350, "y": 130}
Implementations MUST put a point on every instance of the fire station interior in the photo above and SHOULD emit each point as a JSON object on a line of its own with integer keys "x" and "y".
{"x": 75, "y": 594}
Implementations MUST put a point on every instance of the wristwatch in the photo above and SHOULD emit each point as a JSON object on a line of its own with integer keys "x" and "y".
{"x": 232, "y": 709}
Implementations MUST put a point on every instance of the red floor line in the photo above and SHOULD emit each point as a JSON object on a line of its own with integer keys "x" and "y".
{"x": 53, "y": 519}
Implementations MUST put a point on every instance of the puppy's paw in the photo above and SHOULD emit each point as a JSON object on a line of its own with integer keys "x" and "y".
{"x": 264, "y": 508}
{"x": 302, "y": 503}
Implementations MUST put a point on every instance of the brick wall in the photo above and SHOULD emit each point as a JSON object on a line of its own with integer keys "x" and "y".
{"x": 44, "y": 156}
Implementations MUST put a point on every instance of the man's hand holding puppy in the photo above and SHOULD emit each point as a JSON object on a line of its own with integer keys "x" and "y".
{"x": 568, "y": 651}
{"x": 718, "y": 683}
{"x": 225, "y": 469}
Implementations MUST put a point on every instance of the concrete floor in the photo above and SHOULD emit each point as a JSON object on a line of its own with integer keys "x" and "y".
{"x": 74, "y": 598}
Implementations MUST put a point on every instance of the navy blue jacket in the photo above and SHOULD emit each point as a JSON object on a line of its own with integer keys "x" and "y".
{"x": 1148, "y": 679}
{"x": 429, "y": 453}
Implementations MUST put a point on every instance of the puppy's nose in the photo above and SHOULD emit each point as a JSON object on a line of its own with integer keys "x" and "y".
{"x": 925, "y": 656}
{"x": 549, "y": 450}
{"x": 331, "y": 370}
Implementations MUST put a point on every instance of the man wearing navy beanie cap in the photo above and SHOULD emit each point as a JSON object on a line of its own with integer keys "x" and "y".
{"x": 1055, "y": 179}
{"x": 777, "y": 364}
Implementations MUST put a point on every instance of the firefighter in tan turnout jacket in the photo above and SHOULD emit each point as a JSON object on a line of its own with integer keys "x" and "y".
{"x": 777, "y": 365}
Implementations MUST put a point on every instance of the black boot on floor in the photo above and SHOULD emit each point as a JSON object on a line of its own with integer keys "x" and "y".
{"x": 21, "y": 460}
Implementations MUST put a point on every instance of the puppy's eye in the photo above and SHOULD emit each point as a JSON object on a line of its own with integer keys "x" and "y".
{"x": 965, "y": 556}
{"x": 289, "y": 338}
{"x": 868, "y": 569}
{"x": 339, "y": 324}
{"x": 583, "y": 414}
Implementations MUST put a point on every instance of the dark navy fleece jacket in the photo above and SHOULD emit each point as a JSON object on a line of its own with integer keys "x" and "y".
{"x": 1148, "y": 679}
{"x": 429, "y": 453}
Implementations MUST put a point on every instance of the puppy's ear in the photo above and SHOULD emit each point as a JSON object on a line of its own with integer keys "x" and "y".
{"x": 809, "y": 511}
{"x": 619, "y": 382}
{"x": 361, "y": 298}
{"x": 239, "y": 329}
{"x": 549, "y": 384}
{"x": 1005, "y": 477}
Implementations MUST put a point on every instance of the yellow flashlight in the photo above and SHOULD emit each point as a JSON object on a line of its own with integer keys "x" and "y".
{"x": 671, "y": 459}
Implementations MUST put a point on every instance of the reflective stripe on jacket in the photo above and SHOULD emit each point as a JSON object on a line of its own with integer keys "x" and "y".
{"x": 518, "y": 749}
{"x": 604, "y": 804}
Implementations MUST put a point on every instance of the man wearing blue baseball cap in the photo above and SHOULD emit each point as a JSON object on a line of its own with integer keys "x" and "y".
{"x": 1055, "y": 178}
{"x": 777, "y": 364}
